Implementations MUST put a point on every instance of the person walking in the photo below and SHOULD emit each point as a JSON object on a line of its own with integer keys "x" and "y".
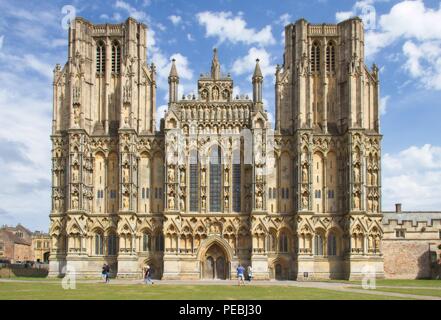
{"x": 250, "y": 273}
{"x": 148, "y": 275}
{"x": 103, "y": 273}
{"x": 107, "y": 273}
{"x": 240, "y": 275}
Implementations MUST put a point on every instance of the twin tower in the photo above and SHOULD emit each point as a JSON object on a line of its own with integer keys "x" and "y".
{"x": 217, "y": 185}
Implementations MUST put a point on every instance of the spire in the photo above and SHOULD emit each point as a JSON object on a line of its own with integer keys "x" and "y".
{"x": 257, "y": 85}
{"x": 257, "y": 71}
{"x": 215, "y": 66}
{"x": 173, "y": 71}
{"x": 173, "y": 80}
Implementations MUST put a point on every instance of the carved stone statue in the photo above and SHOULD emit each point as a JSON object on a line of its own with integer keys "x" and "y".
{"x": 171, "y": 175}
{"x": 305, "y": 174}
{"x": 171, "y": 202}
{"x": 125, "y": 202}
{"x": 305, "y": 201}
{"x": 182, "y": 203}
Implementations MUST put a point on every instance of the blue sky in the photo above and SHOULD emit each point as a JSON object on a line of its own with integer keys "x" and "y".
{"x": 403, "y": 39}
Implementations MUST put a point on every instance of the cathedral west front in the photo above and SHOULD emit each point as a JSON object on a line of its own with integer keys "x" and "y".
{"x": 217, "y": 185}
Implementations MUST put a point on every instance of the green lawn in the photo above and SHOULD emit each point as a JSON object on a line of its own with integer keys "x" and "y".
{"x": 419, "y": 292}
{"x": 50, "y": 290}
{"x": 398, "y": 283}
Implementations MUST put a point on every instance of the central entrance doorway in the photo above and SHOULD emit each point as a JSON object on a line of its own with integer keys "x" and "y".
{"x": 214, "y": 264}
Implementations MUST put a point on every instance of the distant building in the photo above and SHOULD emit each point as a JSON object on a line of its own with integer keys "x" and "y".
{"x": 41, "y": 246}
{"x": 411, "y": 244}
{"x": 16, "y": 244}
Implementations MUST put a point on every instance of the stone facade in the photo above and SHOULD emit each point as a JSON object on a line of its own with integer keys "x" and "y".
{"x": 216, "y": 186}
{"x": 41, "y": 246}
{"x": 15, "y": 244}
{"x": 412, "y": 244}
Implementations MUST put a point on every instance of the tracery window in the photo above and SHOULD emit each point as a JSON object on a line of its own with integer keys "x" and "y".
{"x": 116, "y": 57}
{"x": 283, "y": 242}
{"x": 236, "y": 187}
{"x": 330, "y": 57}
{"x": 215, "y": 180}
{"x": 315, "y": 57}
{"x": 194, "y": 181}
{"x": 318, "y": 250}
{"x": 332, "y": 245}
{"x": 100, "y": 57}
{"x": 146, "y": 242}
{"x": 98, "y": 244}
{"x": 111, "y": 244}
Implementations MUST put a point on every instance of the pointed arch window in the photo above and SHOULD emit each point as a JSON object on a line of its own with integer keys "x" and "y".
{"x": 236, "y": 180}
{"x": 194, "y": 181}
{"x": 283, "y": 242}
{"x": 315, "y": 57}
{"x": 215, "y": 179}
{"x": 98, "y": 244}
{"x": 146, "y": 242}
{"x": 111, "y": 244}
{"x": 318, "y": 245}
{"x": 330, "y": 57}
{"x": 332, "y": 245}
{"x": 100, "y": 57}
{"x": 116, "y": 57}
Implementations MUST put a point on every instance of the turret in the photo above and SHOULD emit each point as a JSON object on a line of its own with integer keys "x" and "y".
{"x": 257, "y": 84}
{"x": 173, "y": 81}
{"x": 215, "y": 66}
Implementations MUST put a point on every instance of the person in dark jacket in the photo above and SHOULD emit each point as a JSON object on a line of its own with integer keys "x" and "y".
{"x": 148, "y": 275}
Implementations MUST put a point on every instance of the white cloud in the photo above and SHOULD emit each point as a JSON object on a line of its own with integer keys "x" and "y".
{"x": 383, "y": 104}
{"x": 37, "y": 65}
{"x": 413, "y": 177}
{"x": 284, "y": 19}
{"x": 424, "y": 62}
{"x": 175, "y": 19}
{"x": 227, "y": 27}
{"x": 419, "y": 26}
{"x": 247, "y": 63}
{"x": 190, "y": 37}
{"x": 2, "y": 38}
{"x": 133, "y": 12}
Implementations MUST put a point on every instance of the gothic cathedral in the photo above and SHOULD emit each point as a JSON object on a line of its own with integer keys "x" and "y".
{"x": 216, "y": 186}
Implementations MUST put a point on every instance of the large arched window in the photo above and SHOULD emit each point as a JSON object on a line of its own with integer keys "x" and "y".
{"x": 332, "y": 245}
{"x": 146, "y": 242}
{"x": 99, "y": 244}
{"x": 283, "y": 242}
{"x": 236, "y": 180}
{"x": 272, "y": 243}
{"x": 111, "y": 244}
{"x": 159, "y": 242}
{"x": 100, "y": 57}
{"x": 330, "y": 57}
{"x": 318, "y": 243}
{"x": 315, "y": 57}
{"x": 215, "y": 179}
{"x": 194, "y": 181}
{"x": 116, "y": 57}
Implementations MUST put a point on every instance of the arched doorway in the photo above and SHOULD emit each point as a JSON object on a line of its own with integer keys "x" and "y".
{"x": 214, "y": 263}
{"x": 279, "y": 272}
{"x": 46, "y": 257}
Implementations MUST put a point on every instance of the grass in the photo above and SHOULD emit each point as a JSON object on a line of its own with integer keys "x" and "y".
{"x": 101, "y": 291}
{"x": 418, "y": 292}
{"x": 399, "y": 283}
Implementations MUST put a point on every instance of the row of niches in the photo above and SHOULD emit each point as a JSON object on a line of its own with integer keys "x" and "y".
{"x": 215, "y": 113}
{"x": 203, "y": 97}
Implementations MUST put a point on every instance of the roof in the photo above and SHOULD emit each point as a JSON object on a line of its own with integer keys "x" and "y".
{"x": 414, "y": 216}
{"x": 8, "y": 235}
